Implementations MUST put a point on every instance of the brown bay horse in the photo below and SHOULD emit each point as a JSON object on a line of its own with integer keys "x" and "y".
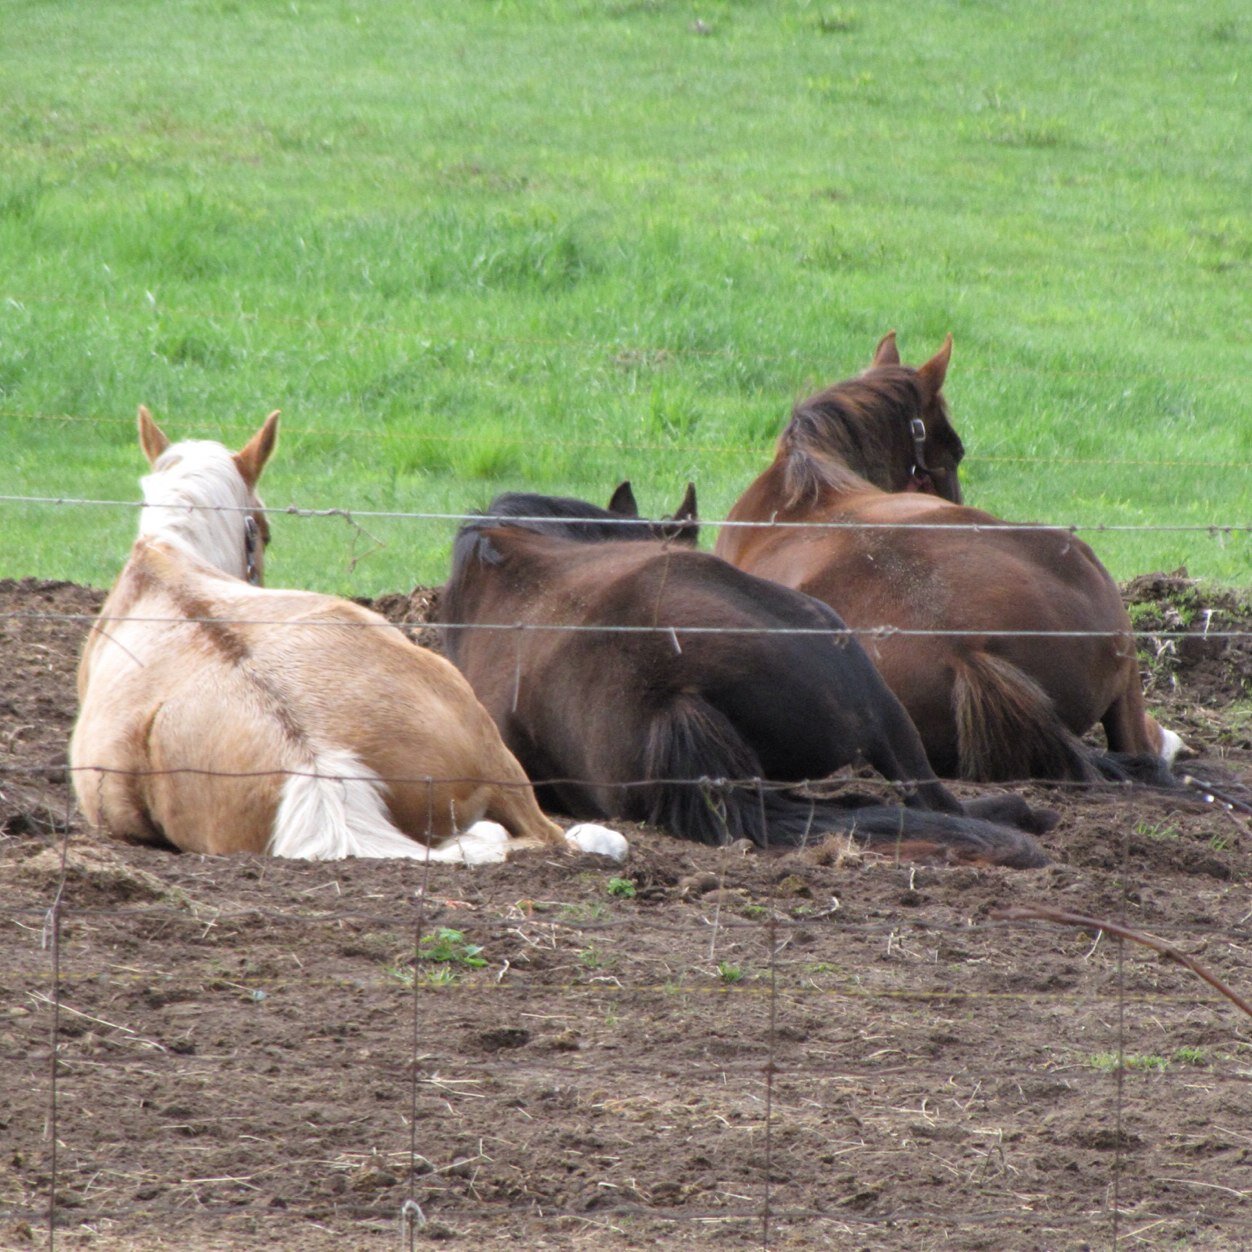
{"x": 636, "y": 677}
{"x": 1032, "y": 645}
{"x": 217, "y": 716}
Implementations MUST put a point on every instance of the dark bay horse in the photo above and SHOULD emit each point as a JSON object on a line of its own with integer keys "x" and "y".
{"x": 879, "y": 450}
{"x": 631, "y": 675}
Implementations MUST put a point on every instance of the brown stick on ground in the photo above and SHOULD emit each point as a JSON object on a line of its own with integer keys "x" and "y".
{"x": 1042, "y": 913}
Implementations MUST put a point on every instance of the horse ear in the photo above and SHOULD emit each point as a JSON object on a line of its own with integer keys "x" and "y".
{"x": 687, "y": 509}
{"x": 886, "y": 353}
{"x": 252, "y": 456}
{"x": 932, "y": 374}
{"x": 686, "y": 522}
{"x": 152, "y": 439}
{"x": 623, "y": 501}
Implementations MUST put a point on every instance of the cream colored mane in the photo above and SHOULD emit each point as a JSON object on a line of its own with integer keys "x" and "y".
{"x": 197, "y": 499}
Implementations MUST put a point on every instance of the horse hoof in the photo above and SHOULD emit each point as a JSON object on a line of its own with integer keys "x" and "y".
{"x": 588, "y": 837}
{"x": 1174, "y": 747}
{"x": 484, "y": 843}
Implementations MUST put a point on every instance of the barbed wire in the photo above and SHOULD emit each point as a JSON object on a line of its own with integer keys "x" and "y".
{"x": 1201, "y": 791}
{"x": 710, "y": 1071}
{"x": 661, "y": 628}
{"x": 198, "y": 913}
{"x": 292, "y": 510}
{"x": 622, "y": 353}
{"x": 634, "y": 445}
{"x": 1015, "y": 1215}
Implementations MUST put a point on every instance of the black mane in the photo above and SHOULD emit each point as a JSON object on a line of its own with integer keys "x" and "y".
{"x": 565, "y": 517}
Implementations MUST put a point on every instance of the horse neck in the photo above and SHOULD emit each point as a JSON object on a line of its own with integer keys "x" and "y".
{"x": 196, "y": 501}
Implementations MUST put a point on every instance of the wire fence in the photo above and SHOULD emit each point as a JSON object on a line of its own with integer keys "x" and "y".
{"x": 634, "y": 444}
{"x": 626, "y": 523}
{"x": 697, "y": 1046}
{"x": 791, "y": 1064}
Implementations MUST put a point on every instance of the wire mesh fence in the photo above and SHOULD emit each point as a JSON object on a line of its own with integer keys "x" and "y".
{"x": 704, "y": 1047}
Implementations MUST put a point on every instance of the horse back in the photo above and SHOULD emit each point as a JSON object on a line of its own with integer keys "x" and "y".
{"x": 200, "y": 695}
{"x": 655, "y": 629}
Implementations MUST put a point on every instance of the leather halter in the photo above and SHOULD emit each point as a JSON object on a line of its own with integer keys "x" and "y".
{"x": 251, "y": 542}
{"x": 919, "y": 471}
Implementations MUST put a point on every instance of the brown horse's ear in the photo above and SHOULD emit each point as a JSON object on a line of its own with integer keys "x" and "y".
{"x": 152, "y": 439}
{"x": 623, "y": 501}
{"x": 886, "y": 353}
{"x": 932, "y": 374}
{"x": 252, "y": 456}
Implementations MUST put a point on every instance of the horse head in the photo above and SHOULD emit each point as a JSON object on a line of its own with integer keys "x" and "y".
{"x": 202, "y": 497}
{"x": 933, "y": 449}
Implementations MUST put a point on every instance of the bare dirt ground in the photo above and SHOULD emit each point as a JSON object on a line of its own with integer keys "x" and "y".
{"x": 714, "y": 1050}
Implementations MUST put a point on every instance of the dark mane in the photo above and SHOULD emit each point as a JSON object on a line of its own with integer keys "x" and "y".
{"x": 562, "y": 517}
{"x": 565, "y": 517}
{"x": 846, "y": 435}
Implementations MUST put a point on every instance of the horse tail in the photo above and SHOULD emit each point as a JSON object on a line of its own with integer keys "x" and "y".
{"x": 692, "y": 750}
{"x": 1134, "y": 767}
{"x": 334, "y": 809}
{"x": 907, "y": 833}
{"x": 1008, "y": 728}
{"x": 693, "y": 740}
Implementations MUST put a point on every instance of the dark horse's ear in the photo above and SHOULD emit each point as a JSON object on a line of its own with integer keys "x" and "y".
{"x": 931, "y": 375}
{"x": 886, "y": 353}
{"x": 623, "y": 501}
{"x": 684, "y": 526}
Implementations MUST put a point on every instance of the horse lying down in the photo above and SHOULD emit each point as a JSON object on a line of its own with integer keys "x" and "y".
{"x": 1005, "y": 643}
{"x": 632, "y": 676}
{"x": 217, "y": 716}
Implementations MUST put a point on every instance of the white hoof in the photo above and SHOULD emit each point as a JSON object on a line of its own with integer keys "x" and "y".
{"x": 588, "y": 837}
{"x": 484, "y": 843}
{"x": 1171, "y": 745}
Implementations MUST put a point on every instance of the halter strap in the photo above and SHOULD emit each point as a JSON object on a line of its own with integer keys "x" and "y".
{"x": 251, "y": 540}
{"x": 918, "y": 430}
{"x": 919, "y": 471}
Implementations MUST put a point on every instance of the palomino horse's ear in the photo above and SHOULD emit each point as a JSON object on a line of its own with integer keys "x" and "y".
{"x": 886, "y": 353}
{"x": 252, "y": 456}
{"x": 152, "y": 439}
{"x": 623, "y": 501}
{"x": 932, "y": 374}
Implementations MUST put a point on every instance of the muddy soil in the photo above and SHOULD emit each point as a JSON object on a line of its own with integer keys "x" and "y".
{"x": 700, "y": 1048}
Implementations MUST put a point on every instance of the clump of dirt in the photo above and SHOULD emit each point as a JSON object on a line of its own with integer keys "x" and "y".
{"x": 701, "y": 1047}
{"x": 1195, "y": 637}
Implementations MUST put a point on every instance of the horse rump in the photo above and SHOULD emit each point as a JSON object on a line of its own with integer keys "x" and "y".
{"x": 697, "y": 763}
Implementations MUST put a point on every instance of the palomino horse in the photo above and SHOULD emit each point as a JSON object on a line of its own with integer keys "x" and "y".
{"x": 878, "y": 452}
{"x": 632, "y": 676}
{"x": 216, "y": 716}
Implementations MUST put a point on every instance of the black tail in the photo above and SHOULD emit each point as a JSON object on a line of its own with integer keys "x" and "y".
{"x": 695, "y": 741}
{"x": 1130, "y": 767}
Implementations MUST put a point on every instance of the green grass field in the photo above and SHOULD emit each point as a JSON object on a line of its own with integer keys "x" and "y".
{"x": 550, "y": 245}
